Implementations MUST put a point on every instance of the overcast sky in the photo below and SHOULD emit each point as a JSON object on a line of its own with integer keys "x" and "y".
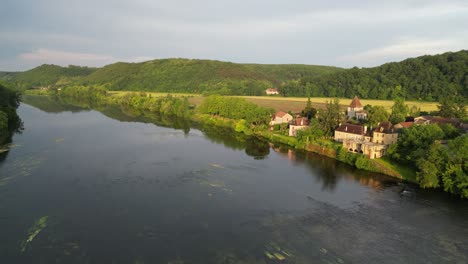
{"x": 342, "y": 33}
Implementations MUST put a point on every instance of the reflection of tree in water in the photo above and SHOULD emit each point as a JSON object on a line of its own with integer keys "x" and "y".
{"x": 257, "y": 148}
{"x": 50, "y": 104}
{"x": 125, "y": 114}
{"x": 225, "y": 136}
{"x": 329, "y": 171}
{"x": 3, "y": 156}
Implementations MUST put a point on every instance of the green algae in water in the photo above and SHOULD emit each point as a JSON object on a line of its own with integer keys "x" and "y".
{"x": 34, "y": 231}
{"x": 275, "y": 253}
{"x": 21, "y": 167}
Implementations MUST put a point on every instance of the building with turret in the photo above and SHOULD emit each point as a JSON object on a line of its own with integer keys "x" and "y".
{"x": 356, "y": 110}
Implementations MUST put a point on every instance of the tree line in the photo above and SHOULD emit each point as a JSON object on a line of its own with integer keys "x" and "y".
{"x": 236, "y": 108}
{"x": 97, "y": 95}
{"x": 9, "y": 119}
{"x": 427, "y": 78}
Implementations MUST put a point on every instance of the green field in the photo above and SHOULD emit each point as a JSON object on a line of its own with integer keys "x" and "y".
{"x": 296, "y": 104}
{"x": 293, "y": 104}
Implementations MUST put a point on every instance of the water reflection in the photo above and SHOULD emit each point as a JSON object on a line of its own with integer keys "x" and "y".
{"x": 127, "y": 192}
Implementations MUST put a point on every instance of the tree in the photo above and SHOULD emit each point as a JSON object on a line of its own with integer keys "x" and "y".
{"x": 309, "y": 111}
{"x": 331, "y": 116}
{"x": 455, "y": 177}
{"x": 399, "y": 111}
{"x": 414, "y": 143}
{"x": 452, "y": 107}
{"x": 414, "y": 111}
{"x": 376, "y": 114}
{"x": 311, "y": 133}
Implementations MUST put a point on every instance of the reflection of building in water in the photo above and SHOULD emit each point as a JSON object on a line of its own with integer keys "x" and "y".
{"x": 330, "y": 170}
{"x": 289, "y": 153}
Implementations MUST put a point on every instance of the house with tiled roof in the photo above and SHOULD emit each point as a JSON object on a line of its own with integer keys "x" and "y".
{"x": 356, "y": 110}
{"x": 271, "y": 91}
{"x": 280, "y": 118}
{"x": 351, "y": 131}
{"x": 298, "y": 124}
{"x": 358, "y": 139}
{"x": 385, "y": 133}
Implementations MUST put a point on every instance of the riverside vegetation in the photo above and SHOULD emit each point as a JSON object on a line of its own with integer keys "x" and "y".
{"x": 417, "y": 157}
{"x": 9, "y": 120}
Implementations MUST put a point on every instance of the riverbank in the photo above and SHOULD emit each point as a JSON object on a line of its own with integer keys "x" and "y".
{"x": 177, "y": 106}
{"x": 325, "y": 147}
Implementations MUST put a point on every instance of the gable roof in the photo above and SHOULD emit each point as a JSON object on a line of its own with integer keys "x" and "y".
{"x": 355, "y": 103}
{"x": 404, "y": 124}
{"x": 350, "y": 128}
{"x": 271, "y": 90}
{"x": 385, "y": 127}
{"x": 281, "y": 114}
{"x": 302, "y": 121}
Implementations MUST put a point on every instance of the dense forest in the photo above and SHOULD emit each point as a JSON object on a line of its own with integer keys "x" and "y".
{"x": 45, "y": 75}
{"x": 428, "y": 78}
{"x": 170, "y": 75}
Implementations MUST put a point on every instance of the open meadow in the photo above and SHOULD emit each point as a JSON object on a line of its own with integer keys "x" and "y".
{"x": 293, "y": 104}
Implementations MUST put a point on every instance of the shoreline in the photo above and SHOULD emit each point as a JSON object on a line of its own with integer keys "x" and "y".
{"x": 328, "y": 148}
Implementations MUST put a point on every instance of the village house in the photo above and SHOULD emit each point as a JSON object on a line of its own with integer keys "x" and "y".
{"x": 355, "y": 109}
{"x": 355, "y": 138}
{"x": 350, "y": 131}
{"x": 385, "y": 133}
{"x": 271, "y": 91}
{"x": 298, "y": 124}
{"x": 280, "y": 118}
{"x": 403, "y": 125}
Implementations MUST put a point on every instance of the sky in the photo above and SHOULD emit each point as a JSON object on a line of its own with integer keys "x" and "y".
{"x": 344, "y": 33}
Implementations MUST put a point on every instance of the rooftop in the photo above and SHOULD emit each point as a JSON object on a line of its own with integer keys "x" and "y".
{"x": 350, "y": 128}
{"x": 355, "y": 103}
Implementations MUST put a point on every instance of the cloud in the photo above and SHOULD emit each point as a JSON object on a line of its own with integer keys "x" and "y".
{"x": 42, "y": 56}
{"x": 342, "y": 33}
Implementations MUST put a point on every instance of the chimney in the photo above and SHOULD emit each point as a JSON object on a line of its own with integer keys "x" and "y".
{"x": 365, "y": 129}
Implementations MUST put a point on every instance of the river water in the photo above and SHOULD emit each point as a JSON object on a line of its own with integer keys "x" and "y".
{"x": 108, "y": 186}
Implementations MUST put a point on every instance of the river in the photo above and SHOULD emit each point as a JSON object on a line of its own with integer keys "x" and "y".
{"x": 87, "y": 186}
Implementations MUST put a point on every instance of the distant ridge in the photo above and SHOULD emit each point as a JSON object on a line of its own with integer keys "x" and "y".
{"x": 427, "y": 78}
{"x": 173, "y": 75}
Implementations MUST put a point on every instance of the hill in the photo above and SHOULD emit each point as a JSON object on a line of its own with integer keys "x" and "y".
{"x": 198, "y": 76}
{"x": 174, "y": 75}
{"x": 46, "y": 75}
{"x": 427, "y": 78}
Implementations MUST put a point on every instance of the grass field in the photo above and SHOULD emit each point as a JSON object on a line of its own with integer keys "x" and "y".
{"x": 296, "y": 104}
{"x": 154, "y": 94}
{"x": 293, "y": 104}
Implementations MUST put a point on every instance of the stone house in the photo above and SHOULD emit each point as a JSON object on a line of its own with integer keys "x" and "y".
{"x": 385, "y": 134}
{"x": 357, "y": 139}
{"x": 351, "y": 131}
{"x": 280, "y": 118}
{"x": 298, "y": 124}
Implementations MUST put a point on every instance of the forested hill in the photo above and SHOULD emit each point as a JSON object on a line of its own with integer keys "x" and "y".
{"x": 428, "y": 78}
{"x": 173, "y": 75}
{"x": 47, "y": 75}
